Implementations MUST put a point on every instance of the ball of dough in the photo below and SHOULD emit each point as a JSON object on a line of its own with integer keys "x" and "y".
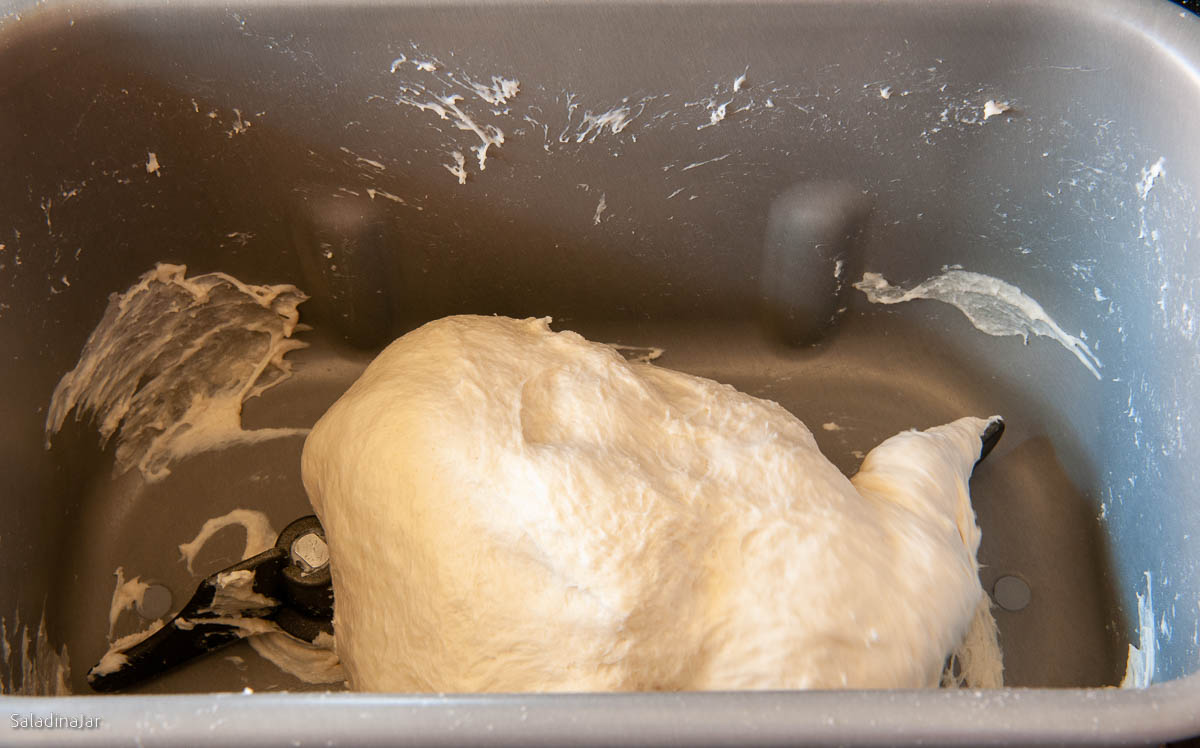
{"x": 511, "y": 508}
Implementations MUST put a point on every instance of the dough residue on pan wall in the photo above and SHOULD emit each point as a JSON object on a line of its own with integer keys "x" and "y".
{"x": 993, "y": 306}
{"x": 127, "y": 595}
{"x": 171, "y": 363}
{"x": 29, "y": 663}
{"x": 259, "y": 534}
{"x": 1139, "y": 665}
{"x": 639, "y": 353}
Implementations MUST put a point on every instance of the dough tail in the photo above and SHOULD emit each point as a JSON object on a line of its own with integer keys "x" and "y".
{"x": 927, "y": 472}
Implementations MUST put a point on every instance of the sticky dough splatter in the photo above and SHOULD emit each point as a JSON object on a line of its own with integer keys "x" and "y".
{"x": 993, "y": 306}
{"x": 127, "y": 595}
{"x": 639, "y": 353}
{"x": 29, "y": 663}
{"x": 1139, "y": 665}
{"x": 259, "y": 534}
{"x": 171, "y": 363}
{"x": 596, "y": 124}
{"x": 451, "y": 106}
{"x": 1149, "y": 176}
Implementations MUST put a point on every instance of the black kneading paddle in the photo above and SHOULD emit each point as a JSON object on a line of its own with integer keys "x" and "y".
{"x": 293, "y": 593}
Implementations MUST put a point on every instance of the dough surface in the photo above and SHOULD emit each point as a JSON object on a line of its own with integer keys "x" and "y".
{"x": 514, "y": 509}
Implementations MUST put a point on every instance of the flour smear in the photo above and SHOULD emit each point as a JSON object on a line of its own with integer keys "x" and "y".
{"x": 171, "y": 363}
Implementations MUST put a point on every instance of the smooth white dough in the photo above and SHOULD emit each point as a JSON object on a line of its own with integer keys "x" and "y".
{"x": 514, "y": 509}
